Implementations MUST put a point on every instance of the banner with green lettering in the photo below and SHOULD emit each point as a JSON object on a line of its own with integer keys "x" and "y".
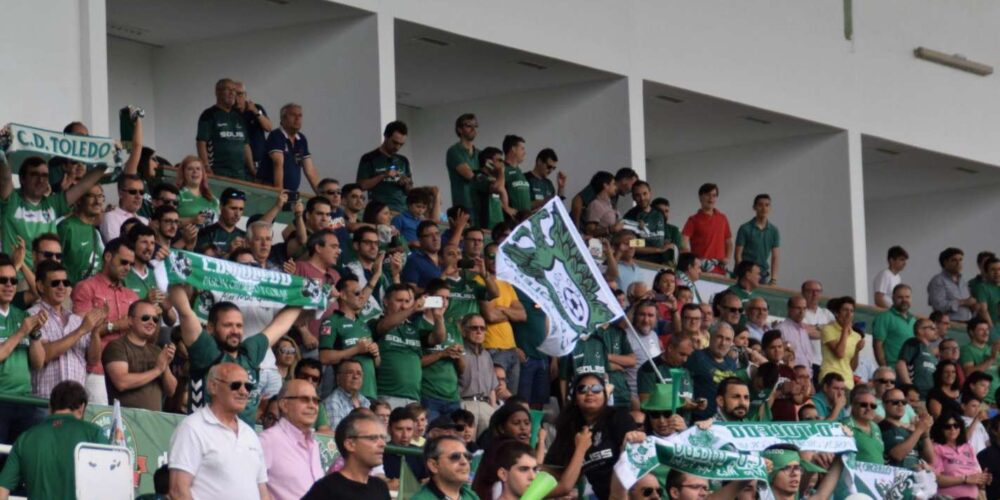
{"x": 21, "y": 141}
{"x": 246, "y": 285}
{"x": 640, "y": 459}
{"x": 829, "y": 437}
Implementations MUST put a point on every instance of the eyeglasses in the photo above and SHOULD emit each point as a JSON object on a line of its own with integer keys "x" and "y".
{"x": 172, "y": 203}
{"x": 304, "y": 399}
{"x": 134, "y": 192}
{"x": 368, "y": 242}
{"x": 371, "y": 437}
{"x": 4, "y": 280}
{"x": 286, "y": 350}
{"x": 235, "y": 386}
{"x": 51, "y": 255}
{"x": 653, "y": 415}
{"x": 951, "y": 426}
{"x": 458, "y": 455}
{"x": 896, "y": 402}
{"x": 870, "y": 406}
{"x": 306, "y": 376}
{"x": 57, "y": 283}
{"x": 733, "y": 309}
{"x": 149, "y": 317}
{"x": 593, "y": 388}
{"x": 476, "y": 328}
{"x": 649, "y": 491}
{"x": 332, "y": 192}
{"x": 885, "y": 381}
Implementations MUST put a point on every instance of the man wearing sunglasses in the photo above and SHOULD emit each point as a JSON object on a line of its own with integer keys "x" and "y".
{"x": 541, "y": 186}
{"x": 291, "y": 452}
{"x": 214, "y": 453}
{"x": 223, "y": 233}
{"x": 222, "y": 340}
{"x": 905, "y": 444}
{"x": 867, "y": 435}
{"x": 81, "y": 236}
{"x": 138, "y": 371}
{"x": 130, "y": 194}
{"x": 448, "y": 463}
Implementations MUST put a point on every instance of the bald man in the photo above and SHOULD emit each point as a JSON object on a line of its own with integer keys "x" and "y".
{"x": 211, "y": 430}
{"x": 291, "y": 453}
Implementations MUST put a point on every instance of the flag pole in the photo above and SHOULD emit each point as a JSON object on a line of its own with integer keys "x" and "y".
{"x": 642, "y": 345}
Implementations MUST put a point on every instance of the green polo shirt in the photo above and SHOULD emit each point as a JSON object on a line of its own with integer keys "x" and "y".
{"x": 744, "y": 295}
{"x": 871, "y": 448}
{"x": 530, "y": 333}
{"x": 440, "y": 378}
{"x": 15, "y": 376}
{"x": 589, "y": 356}
{"x": 28, "y": 220}
{"x": 400, "y": 348}
{"x": 461, "y": 194}
{"x": 672, "y": 234}
{"x": 616, "y": 342}
{"x": 486, "y": 209}
{"x": 204, "y": 353}
{"x": 190, "y": 204}
{"x": 757, "y": 243}
{"x": 226, "y": 138}
{"x": 518, "y": 189}
{"x": 43, "y": 457}
{"x": 388, "y": 190}
{"x": 892, "y": 328}
{"x": 541, "y": 187}
{"x": 971, "y": 353}
{"x": 344, "y": 333}
{"x": 464, "y": 299}
{"x": 654, "y": 226}
{"x": 139, "y": 284}
{"x": 218, "y": 236}
{"x": 920, "y": 363}
{"x": 893, "y": 436}
{"x": 82, "y": 248}
{"x": 989, "y": 293}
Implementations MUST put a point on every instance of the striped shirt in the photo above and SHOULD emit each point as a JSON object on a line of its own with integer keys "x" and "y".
{"x": 72, "y": 364}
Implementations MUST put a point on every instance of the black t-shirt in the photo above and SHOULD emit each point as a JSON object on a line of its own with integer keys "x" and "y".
{"x": 337, "y": 486}
{"x": 599, "y": 461}
{"x": 989, "y": 460}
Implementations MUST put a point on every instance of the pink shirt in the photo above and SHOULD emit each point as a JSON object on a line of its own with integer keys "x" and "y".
{"x": 797, "y": 337}
{"x": 111, "y": 223}
{"x": 956, "y": 462}
{"x": 96, "y": 291}
{"x": 292, "y": 460}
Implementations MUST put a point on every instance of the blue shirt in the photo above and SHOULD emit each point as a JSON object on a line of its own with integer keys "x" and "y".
{"x": 295, "y": 155}
{"x": 706, "y": 374}
{"x": 256, "y": 135}
{"x": 419, "y": 269}
{"x": 407, "y": 224}
{"x": 824, "y": 407}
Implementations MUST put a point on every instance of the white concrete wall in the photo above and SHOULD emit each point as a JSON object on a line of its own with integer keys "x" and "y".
{"x": 330, "y": 68}
{"x": 927, "y": 224}
{"x": 807, "y": 179}
{"x": 130, "y": 82}
{"x": 586, "y": 124}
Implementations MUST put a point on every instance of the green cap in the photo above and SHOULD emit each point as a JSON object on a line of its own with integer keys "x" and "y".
{"x": 661, "y": 399}
{"x": 781, "y": 458}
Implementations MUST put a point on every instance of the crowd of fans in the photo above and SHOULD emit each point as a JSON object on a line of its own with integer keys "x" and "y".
{"x": 423, "y": 346}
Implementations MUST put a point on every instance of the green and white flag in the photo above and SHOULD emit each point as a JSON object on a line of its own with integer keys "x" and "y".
{"x": 641, "y": 458}
{"x": 21, "y": 141}
{"x": 829, "y": 437}
{"x": 545, "y": 258}
{"x": 248, "y": 286}
{"x": 883, "y": 482}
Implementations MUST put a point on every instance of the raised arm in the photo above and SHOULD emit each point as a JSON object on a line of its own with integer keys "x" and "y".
{"x": 131, "y": 166}
{"x": 190, "y": 324}
{"x": 281, "y": 323}
{"x": 88, "y": 181}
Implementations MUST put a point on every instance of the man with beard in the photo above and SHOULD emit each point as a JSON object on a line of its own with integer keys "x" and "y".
{"x": 80, "y": 237}
{"x": 165, "y": 222}
{"x": 711, "y": 364}
{"x": 224, "y": 234}
{"x": 789, "y": 470}
{"x": 651, "y": 224}
{"x": 462, "y": 160}
{"x": 138, "y": 371}
{"x": 732, "y": 400}
{"x": 222, "y": 342}
{"x": 368, "y": 268}
{"x": 893, "y": 327}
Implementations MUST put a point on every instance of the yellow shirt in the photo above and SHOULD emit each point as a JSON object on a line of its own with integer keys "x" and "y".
{"x": 500, "y": 335}
{"x": 831, "y": 333}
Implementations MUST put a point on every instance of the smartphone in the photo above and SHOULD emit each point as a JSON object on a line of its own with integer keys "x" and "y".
{"x": 433, "y": 302}
{"x": 637, "y": 243}
{"x": 466, "y": 263}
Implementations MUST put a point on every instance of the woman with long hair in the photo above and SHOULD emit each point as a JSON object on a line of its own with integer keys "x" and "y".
{"x": 588, "y": 427}
{"x": 955, "y": 466}
{"x": 379, "y": 215}
{"x": 196, "y": 203}
{"x": 943, "y": 397}
{"x": 511, "y": 422}
{"x": 286, "y": 355}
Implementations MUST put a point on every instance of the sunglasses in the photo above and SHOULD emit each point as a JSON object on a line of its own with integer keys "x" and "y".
{"x": 734, "y": 309}
{"x": 235, "y": 386}
{"x": 56, "y": 283}
{"x": 458, "y": 455}
{"x": 52, "y": 255}
{"x": 304, "y": 399}
{"x": 8, "y": 281}
{"x": 951, "y": 426}
{"x": 592, "y": 388}
{"x": 885, "y": 381}
{"x": 134, "y": 192}
{"x": 896, "y": 402}
{"x": 286, "y": 350}
{"x": 476, "y": 328}
{"x": 149, "y": 317}
{"x": 172, "y": 203}
{"x": 653, "y": 415}
{"x": 649, "y": 491}
{"x": 332, "y": 192}
{"x": 870, "y": 406}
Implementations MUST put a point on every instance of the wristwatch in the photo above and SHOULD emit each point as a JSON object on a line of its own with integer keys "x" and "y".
{"x": 111, "y": 326}
{"x": 260, "y": 112}
{"x": 35, "y": 335}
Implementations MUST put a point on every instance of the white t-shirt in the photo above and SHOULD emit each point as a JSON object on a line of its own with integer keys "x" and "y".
{"x": 885, "y": 281}
{"x": 223, "y": 463}
{"x": 818, "y": 318}
{"x": 978, "y": 437}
